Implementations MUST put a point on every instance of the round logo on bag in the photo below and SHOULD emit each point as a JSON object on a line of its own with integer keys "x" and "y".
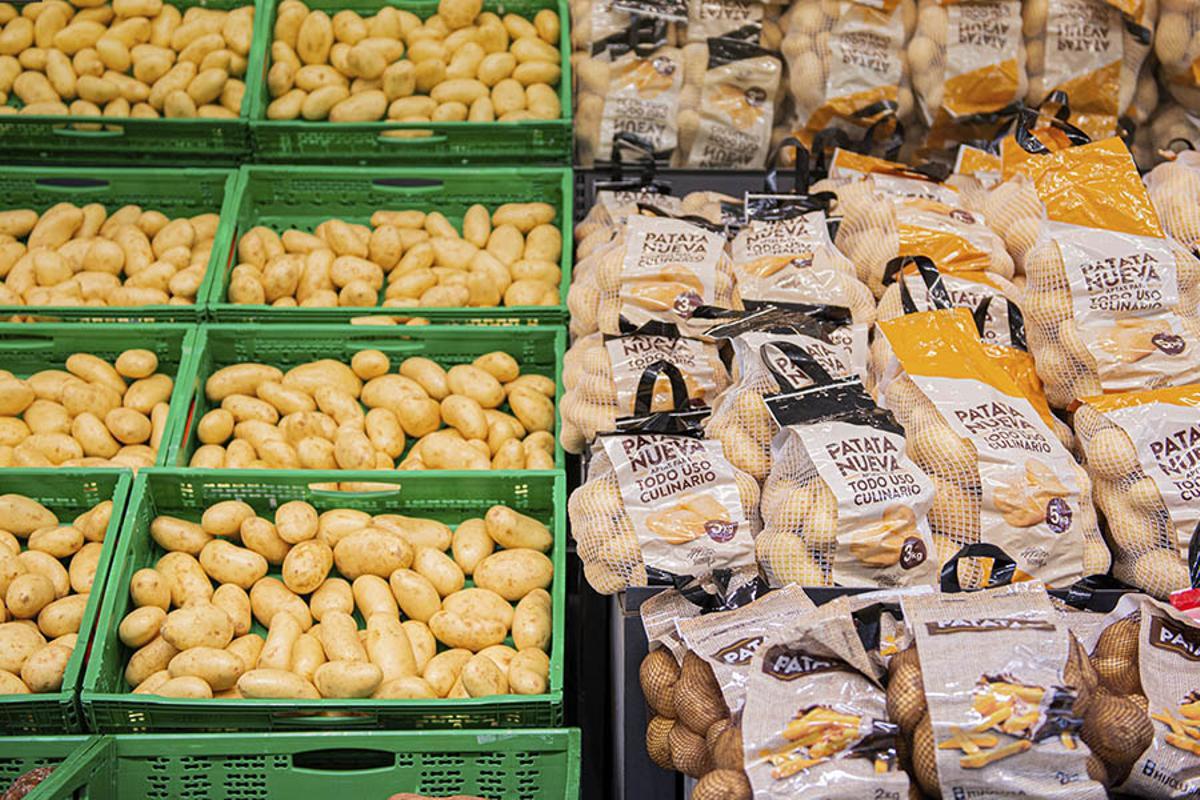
{"x": 912, "y": 553}
{"x": 1058, "y": 515}
{"x": 1169, "y": 343}
{"x": 720, "y": 531}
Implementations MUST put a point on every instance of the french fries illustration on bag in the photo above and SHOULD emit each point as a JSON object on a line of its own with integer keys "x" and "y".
{"x": 1025, "y": 502}
{"x": 815, "y": 735}
{"x": 690, "y": 519}
{"x": 1005, "y": 707}
{"x": 1185, "y": 729}
{"x": 882, "y": 543}
{"x": 651, "y": 77}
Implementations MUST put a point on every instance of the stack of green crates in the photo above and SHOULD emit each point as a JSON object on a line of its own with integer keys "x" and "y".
{"x": 106, "y": 742}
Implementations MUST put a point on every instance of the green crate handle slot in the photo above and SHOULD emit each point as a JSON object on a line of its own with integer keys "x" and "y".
{"x": 72, "y": 185}
{"x": 334, "y": 493}
{"x": 383, "y": 138}
{"x": 78, "y": 134}
{"x": 408, "y": 185}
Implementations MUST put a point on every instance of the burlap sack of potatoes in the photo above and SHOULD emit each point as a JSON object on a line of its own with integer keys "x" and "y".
{"x": 657, "y": 505}
{"x": 1094, "y": 54}
{"x": 846, "y": 63}
{"x": 993, "y": 692}
{"x": 843, "y": 505}
{"x": 1002, "y": 476}
{"x": 1135, "y": 446}
{"x": 1110, "y": 303}
{"x": 623, "y": 377}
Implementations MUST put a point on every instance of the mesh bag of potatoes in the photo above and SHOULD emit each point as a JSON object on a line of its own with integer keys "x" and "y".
{"x": 47, "y": 571}
{"x": 1001, "y": 474}
{"x": 1144, "y": 676}
{"x": 627, "y": 376}
{"x": 968, "y": 64}
{"x": 726, "y": 116}
{"x": 787, "y": 255}
{"x": 1178, "y": 48}
{"x": 658, "y": 269}
{"x": 90, "y": 414}
{"x": 507, "y": 256}
{"x": 84, "y": 256}
{"x": 844, "y": 504}
{"x": 873, "y": 233}
{"x": 1090, "y": 51}
{"x": 1110, "y": 302}
{"x": 253, "y": 635}
{"x": 696, "y": 701}
{"x": 326, "y": 414}
{"x": 610, "y": 210}
{"x": 766, "y": 362}
{"x": 992, "y": 695}
{"x": 1141, "y": 450}
{"x": 128, "y": 58}
{"x": 815, "y": 722}
{"x": 1174, "y": 189}
{"x": 856, "y": 178}
{"x": 657, "y": 505}
{"x": 846, "y": 64}
{"x": 457, "y": 65}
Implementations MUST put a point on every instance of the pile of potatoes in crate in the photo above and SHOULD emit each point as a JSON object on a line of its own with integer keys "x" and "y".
{"x": 47, "y": 569}
{"x": 508, "y": 256}
{"x": 426, "y": 634}
{"x": 93, "y": 414}
{"x": 128, "y": 58}
{"x": 313, "y": 416}
{"x": 457, "y": 65}
{"x": 84, "y": 256}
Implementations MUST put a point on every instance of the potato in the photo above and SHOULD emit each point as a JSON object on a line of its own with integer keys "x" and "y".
{"x": 347, "y": 679}
{"x": 149, "y": 659}
{"x": 226, "y": 517}
{"x": 62, "y": 617}
{"x": 482, "y": 678}
{"x": 296, "y": 521}
{"x": 60, "y": 542}
{"x": 511, "y": 529}
{"x": 443, "y": 669}
{"x": 476, "y": 603}
{"x": 531, "y": 624}
{"x": 187, "y": 687}
{"x": 227, "y": 563}
{"x": 373, "y": 595}
{"x": 28, "y": 594}
{"x": 282, "y": 634}
{"x": 439, "y": 569}
{"x": 263, "y": 538}
{"x": 148, "y": 588}
{"x": 471, "y": 544}
{"x": 339, "y": 637}
{"x": 307, "y": 565}
{"x": 388, "y": 647}
{"x": 19, "y": 514}
{"x": 276, "y": 684}
{"x": 307, "y": 656}
{"x": 424, "y": 646}
{"x": 270, "y": 596}
{"x": 415, "y": 594}
{"x": 44, "y": 669}
{"x": 197, "y": 625}
{"x": 235, "y": 602}
{"x": 512, "y": 574}
{"x": 408, "y": 687}
{"x": 471, "y": 634}
{"x": 185, "y": 578}
{"x": 17, "y": 643}
{"x": 416, "y": 531}
{"x": 83, "y": 567}
{"x": 220, "y": 669}
{"x": 370, "y": 553}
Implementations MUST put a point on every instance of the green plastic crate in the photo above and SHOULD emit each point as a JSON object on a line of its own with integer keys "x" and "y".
{"x": 49, "y": 139}
{"x": 285, "y": 197}
{"x": 537, "y": 348}
{"x": 547, "y": 142}
{"x": 19, "y": 754}
{"x": 538, "y": 764}
{"x": 176, "y": 192}
{"x": 449, "y": 497}
{"x": 68, "y": 493}
{"x": 26, "y": 349}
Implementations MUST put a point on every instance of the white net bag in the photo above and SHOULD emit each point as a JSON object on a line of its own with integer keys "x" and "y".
{"x": 612, "y": 207}
{"x": 1110, "y": 303}
{"x": 846, "y": 63}
{"x": 968, "y": 63}
{"x": 793, "y": 260}
{"x": 1090, "y": 51}
{"x": 957, "y": 240}
{"x": 843, "y": 504}
{"x": 657, "y": 269}
{"x": 1178, "y": 47}
{"x": 629, "y": 376}
{"x": 1001, "y": 475}
{"x": 765, "y": 363}
{"x": 1174, "y": 188}
{"x": 1140, "y": 449}
{"x": 657, "y": 505}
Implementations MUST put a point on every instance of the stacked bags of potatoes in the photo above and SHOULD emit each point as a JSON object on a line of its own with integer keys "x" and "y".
{"x": 765, "y": 362}
{"x": 1174, "y": 188}
{"x": 844, "y": 504}
{"x": 1141, "y": 719}
{"x": 1001, "y": 475}
{"x": 787, "y": 255}
{"x": 1177, "y": 47}
{"x": 634, "y": 375}
{"x": 696, "y": 701}
{"x": 968, "y": 66}
{"x": 846, "y": 64}
{"x": 1142, "y": 450}
{"x": 655, "y": 269}
{"x": 1110, "y": 301}
{"x": 993, "y": 694}
{"x": 659, "y": 501}
{"x": 1096, "y": 55}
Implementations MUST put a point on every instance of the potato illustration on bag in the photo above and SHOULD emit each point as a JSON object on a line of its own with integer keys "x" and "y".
{"x": 881, "y": 544}
{"x": 1028, "y": 501}
{"x": 650, "y": 78}
{"x": 1130, "y": 340}
{"x": 690, "y": 519}
{"x": 674, "y": 288}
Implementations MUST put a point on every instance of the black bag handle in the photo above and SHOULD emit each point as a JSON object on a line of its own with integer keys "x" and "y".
{"x": 801, "y": 172}
{"x": 1094, "y": 593}
{"x": 802, "y": 360}
{"x": 627, "y": 140}
{"x": 1016, "y": 321}
{"x": 644, "y": 399}
{"x": 929, "y": 274}
{"x": 1002, "y": 571}
{"x": 1027, "y": 119}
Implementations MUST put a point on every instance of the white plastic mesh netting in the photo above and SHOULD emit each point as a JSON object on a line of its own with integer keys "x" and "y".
{"x": 1174, "y": 188}
{"x": 1177, "y": 47}
{"x": 1138, "y": 522}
